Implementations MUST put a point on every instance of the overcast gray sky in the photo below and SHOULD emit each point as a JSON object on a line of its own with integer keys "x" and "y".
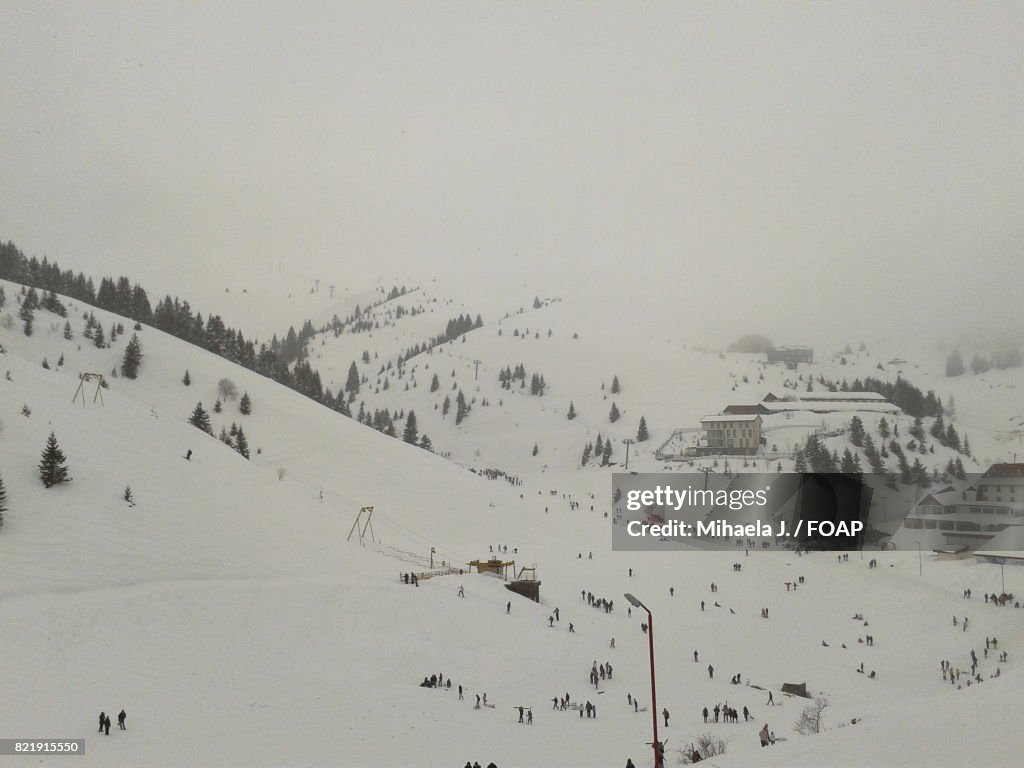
{"x": 816, "y": 161}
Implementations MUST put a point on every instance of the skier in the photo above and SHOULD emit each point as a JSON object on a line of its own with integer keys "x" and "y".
{"x": 551, "y": 621}
{"x": 705, "y": 713}
{"x": 556, "y": 615}
{"x": 694, "y": 657}
{"x": 103, "y": 717}
{"x": 571, "y": 627}
{"x": 613, "y": 642}
{"x": 746, "y": 714}
{"x": 106, "y": 726}
{"x": 460, "y": 692}
{"x": 520, "y": 714}
{"x": 718, "y": 709}
{"x": 664, "y": 713}
{"x": 508, "y": 607}
{"x": 711, "y": 672}
{"x": 771, "y": 699}
{"x": 462, "y": 592}
{"x": 188, "y": 456}
{"x": 121, "y": 717}
{"x": 529, "y": 717}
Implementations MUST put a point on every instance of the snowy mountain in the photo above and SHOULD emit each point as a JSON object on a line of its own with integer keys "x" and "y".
{"x": 228, "y": 612}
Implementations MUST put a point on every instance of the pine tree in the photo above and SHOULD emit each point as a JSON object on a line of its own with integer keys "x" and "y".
{"x": 435, "y": 384}
{"x": 613, "y": 414}
{"x": 68, "y": 334}
{"x": 598, "y": 445}
{"x": 27, "y": 316}
{"x": 799, "y": 462}
{"x": 132, "y": 357}
{"x": 615, "y": 385}
{"x": 954, "y": 364}
{"x": 849, "y": 465}
{"x": 883, "y": 428}
{"x": 572, "y": 411}
{"x": 217, "y": 406}
{"x": 461, "y": 408}
{"x": 938, "y": 430}
{"x": 446, "y": 406}
{"x": 245, "y": 404}
{"x": 51, "y": 466}
{"x": 606, "y": 454}
{"x": 186, "y": 379}
{"x": 127, "y": 495}
{"x": 857, "y": 431}
{"x": 201, "y": 419}
{"x": 425, "y": 443}
{"x": 411, "y": 433}
{"x": 641, "y": 432}
{"x": 97, "y": 337}
{"x": 586, "y": 455}
{"x": 242, "y": 443}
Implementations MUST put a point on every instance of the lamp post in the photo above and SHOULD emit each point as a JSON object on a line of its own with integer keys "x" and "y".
{"x": 654, "y": 698}
{"x": 919, "y": 571}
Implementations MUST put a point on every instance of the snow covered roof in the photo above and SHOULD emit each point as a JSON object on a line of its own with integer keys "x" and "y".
{"x": 822, "y": 396}
{"x": 780, "y": 406}
{"x": 730, "y": 417}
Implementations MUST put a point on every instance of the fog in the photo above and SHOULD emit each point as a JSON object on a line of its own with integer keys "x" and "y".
{"x": 793, "y": 169}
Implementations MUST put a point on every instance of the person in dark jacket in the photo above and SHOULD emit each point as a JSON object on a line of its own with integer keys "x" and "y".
{"x": 106, "y": 726}
{"x": 103, "y": 719}
{"x": 121, "y": 717}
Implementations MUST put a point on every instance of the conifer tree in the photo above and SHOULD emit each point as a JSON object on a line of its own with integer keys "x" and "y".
{"x": 245, "y": 404}
{"x": 606, "y": 454}
{"x": 97, "y": 336}
{"x": 615, "y": 385}
{"x": 572, "y": 411}
{"x": 217, "y": 407}
{"x": 799, "y": 462}
{"x": 201, "y": 419}
{"x": 435, "y": 384}
{"x": 586, "y": 455}
{"x": 3, "y": 499}
{"x": 425, "y": 443}
{"x": 411, "y": 434}
{"x": 857, "y": 431}
{"x": 954, "y": 363}
{"x": 242, "y": 443}
{"x": 51, "y": 465}
{"x": 446, "y": 406}
{"x": 132, "y": 357}
{"x": 68, "y": 334}
{"x": 613, "y": 414}
{"x": 186, "y": 379}
{"x": 641, "y": 432}
{"x": 598, "y": 445}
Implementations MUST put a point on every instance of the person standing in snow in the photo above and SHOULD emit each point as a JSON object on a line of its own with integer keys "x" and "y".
{"x": 103, "y": 718}
{"x": 664, "y": 714}
{"x": 106, "y": 726}
{"x": 705, "y": 713}
{"x": 771, "y": 700}
{"x": 711, "y": 672}
{"x": 122, "y": 716}
{"x": 508, "y": 607}
{"x": 764, "y": 735}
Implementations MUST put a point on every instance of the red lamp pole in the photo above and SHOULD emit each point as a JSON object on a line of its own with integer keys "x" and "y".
{"x": 658, "y": 763}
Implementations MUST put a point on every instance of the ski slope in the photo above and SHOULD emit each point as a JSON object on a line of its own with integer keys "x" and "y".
{"x": 230, "y": 617}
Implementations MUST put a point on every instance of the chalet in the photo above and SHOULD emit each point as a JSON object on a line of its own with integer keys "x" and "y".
{"x": 730, "y": 434}
{"x": 746, "y": 410}
{"x": 989, "y": 513}
{"x": 791, "y": 356}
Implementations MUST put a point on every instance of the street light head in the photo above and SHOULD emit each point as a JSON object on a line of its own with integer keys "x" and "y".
{"x": 634, "y": 602}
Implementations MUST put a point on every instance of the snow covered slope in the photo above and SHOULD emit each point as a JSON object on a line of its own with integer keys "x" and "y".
{"x": 229, "y": 616}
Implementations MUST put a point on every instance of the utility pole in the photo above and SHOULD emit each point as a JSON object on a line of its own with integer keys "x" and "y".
{"x": 476, "y": 370}
{"x": 628, "y": 441}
